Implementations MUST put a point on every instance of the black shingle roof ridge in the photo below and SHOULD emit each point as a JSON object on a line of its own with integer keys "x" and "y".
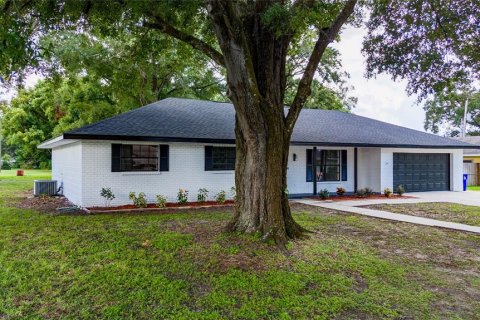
{"x": 389, "y": 124}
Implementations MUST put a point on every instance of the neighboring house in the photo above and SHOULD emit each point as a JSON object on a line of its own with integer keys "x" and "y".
{"x": 471, "y": 160}
{"x": 180, "y": 143}
{"x": 471, "y": 155}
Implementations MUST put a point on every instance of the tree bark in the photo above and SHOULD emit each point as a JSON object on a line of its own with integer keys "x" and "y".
{"x": 254, "y": 57}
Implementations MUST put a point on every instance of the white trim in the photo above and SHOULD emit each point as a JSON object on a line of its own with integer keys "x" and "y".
{"x": 56, "y": 142}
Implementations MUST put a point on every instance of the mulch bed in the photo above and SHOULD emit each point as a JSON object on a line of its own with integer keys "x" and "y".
{"x": 169, "y": 205}
{"x": 353, "y": 197}
{"x": 45, "y": 204}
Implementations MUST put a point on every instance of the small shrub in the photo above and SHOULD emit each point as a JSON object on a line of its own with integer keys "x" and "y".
{"x": 161, "y": 201}
{"x": 182, "y": 196}
{"x": 140, "y": 201}
{"x": 108, "y": 195}
{"x": 361, "y": 193}
{"x": 6, "y": 162}
{"x": 221, "y": 197}
{"x": 387, "y": 192}
{"x": 202, "y": 195}
{"x": 368, "y": 192}
{"x": 400, "y": 190}
{"x": 324, "y": 194}
{"x": 233, "y": 193}
{"x": 341, "y": 191}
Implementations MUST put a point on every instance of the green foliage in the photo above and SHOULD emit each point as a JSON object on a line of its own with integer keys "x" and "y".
{"x": 430, "y": 44}
{"x": 221, "y": 197}
{"x": 28, "y": 121}
{"x": 202, "y": 195}
{"x": 108, "y": 194}
{"x": 400, "y": 190}
{"x": 139, "y": 201}
{"x": 364, "y": 192}
{"x": 161, "y": 201}
{"x": 233, "y": 193}
{"x": 182, "y": 196}
{"x": 387, "y": 192}
{"x": 341, "y": 191}
{"x": 121, "y": 267}
{"x": 324, "y": 194}
{"x": 7, "y": 162}
{"x": 445, "y": 110}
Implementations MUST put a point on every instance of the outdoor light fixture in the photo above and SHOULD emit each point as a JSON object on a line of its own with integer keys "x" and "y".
{"x": 294, "y": 157}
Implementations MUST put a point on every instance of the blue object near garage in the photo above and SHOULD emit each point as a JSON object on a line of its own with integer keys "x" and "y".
{"x": 465, "y": 179}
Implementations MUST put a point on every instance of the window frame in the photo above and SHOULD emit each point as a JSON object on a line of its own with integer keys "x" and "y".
{"x": 320, "y": 161}
{"x": 227, "y": 162}
{"x": 119, "y": 157}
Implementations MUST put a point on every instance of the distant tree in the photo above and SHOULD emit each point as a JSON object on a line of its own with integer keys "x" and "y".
{"x": 26, "y": 122}
{"x": 444, "y": 113}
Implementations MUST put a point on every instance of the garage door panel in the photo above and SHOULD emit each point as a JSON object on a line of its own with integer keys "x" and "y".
{"x": 421, "y": 171}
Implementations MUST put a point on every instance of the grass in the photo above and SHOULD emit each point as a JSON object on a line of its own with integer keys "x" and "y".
{"x": 182, "y": 266}
{"x": 473, "y": 188}
{"x": 451, "y": 212}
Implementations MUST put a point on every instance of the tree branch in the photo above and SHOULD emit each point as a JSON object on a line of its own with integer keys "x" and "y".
{"x": 324, "y": 39}
{"x": 163, "y": 26}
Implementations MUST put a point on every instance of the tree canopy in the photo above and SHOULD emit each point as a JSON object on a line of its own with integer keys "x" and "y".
{"x": 434, "y": 44}
{"x": 445, "y": 111}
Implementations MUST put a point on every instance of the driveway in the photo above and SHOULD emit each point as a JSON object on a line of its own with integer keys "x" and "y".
{"x": 471, "y": 198}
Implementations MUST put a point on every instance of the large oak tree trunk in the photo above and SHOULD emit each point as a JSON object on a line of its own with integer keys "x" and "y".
{"x": 254, "y": 56}
{"x": 261, "y": 183}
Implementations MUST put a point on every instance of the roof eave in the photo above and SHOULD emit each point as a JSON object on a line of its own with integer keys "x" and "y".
{"x": 56, "y": 142}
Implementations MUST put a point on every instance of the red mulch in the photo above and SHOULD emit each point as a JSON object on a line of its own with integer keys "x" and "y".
{"x": 353, "y": 197}
{"x": 168, "y": 205}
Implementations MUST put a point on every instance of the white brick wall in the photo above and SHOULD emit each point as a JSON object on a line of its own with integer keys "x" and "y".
{"x": 187, "y": 171}
{"x": 67, "y": 169}
{"x": 85, "y": 167}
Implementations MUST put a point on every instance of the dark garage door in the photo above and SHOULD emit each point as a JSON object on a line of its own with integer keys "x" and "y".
{"x": 421, "y": 171}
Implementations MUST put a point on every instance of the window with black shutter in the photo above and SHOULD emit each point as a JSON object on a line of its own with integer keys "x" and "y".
{"x": 136, "y": 157}
{"x": 331, "y": 165}
{"x": 219, "y": 158}
{"x": 164, "y": 157}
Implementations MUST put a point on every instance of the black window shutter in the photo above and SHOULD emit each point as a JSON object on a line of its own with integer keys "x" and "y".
{"x": 208, "y": 158}
{"x": 116, "y": 157}
{"x": 344, "y": 165}
{"x": 164, "y": 157}
{"x": 309, "y": 165}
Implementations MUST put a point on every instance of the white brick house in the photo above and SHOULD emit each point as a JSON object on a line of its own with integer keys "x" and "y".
{"x": 189, "y": 144}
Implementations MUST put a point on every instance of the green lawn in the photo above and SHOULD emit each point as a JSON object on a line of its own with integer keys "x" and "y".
{"x": 474, "y": 188}
{"x": 181, "y": 266}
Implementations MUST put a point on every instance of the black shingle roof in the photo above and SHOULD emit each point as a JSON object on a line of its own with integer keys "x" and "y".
{"x": 176, "y": 119}
{"x": 475, "y": 140}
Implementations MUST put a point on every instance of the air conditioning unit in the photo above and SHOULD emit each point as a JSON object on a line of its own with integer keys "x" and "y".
{"x": 45, "y": 187}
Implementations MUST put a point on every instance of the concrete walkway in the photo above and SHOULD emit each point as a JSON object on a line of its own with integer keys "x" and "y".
{"x": 352, "y": 206}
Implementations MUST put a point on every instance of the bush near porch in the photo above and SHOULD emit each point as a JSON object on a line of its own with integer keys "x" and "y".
{"x": 181, "y": 266}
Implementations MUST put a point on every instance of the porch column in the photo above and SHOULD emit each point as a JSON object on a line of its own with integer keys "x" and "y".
{"x": 314, "y": 160}
{"x": 355, "y": 169}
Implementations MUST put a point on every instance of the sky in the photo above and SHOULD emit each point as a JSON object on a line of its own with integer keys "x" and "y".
{"x": 381, "y": 98}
